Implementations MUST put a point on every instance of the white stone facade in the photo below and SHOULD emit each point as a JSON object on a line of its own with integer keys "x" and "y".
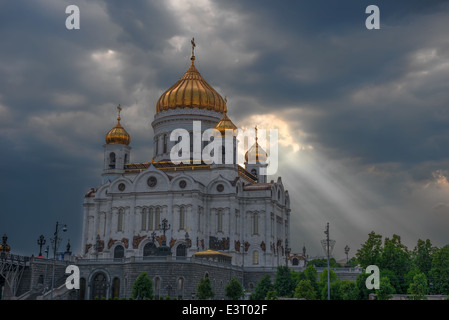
{"x": 220, "y": 207}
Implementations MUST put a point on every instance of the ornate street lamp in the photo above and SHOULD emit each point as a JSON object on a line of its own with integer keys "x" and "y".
{"x": 164, "y": 226}
{"x": 347, "y": 252}
{"x": 55, "y": 243}
{"x": 40, "y": 242}
{"x": 328, "y": 246}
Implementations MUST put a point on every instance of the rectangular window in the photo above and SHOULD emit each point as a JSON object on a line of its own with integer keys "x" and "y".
{"x": 120, "y": 220}
{"x": 181, "y": 218}
{"x": 144, "y": 219}
{"x": 150, "y": 219}
{"x": 220, "y": 221}
{"x": 255, "y": 223}
{"x": 157, "y": 219}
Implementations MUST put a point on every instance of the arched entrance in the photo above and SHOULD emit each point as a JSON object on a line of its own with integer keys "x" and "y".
{"x": 99, "y": 286}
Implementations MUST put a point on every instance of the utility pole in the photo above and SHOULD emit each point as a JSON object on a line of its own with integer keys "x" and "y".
{"x": 328, "y": 264}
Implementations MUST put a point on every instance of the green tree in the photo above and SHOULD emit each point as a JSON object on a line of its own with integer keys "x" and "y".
{"x": 322, "y": 263}
{"x": 142, "y": 287}
{"x": 272, "y": 295}
{"x": 418, "y": 288}
{"x": 347, "y": 290}
{"x": 262, "y": 287}
{"x": 283, "y": 282}
{"x": 311, "y": 274}
{"x": 204, "y": 289}
{"x": 385, "y": 289}
{"x": 396, "y": 258}
{"x": 234, "y": 289}
{"x": 305, "y": 290}
{"x": 439, "y": 273}
{"x": 371, "y": 251}
{"x": 361, "y": 286}
{"x": 322, "y": 285}
{"x": 422, "y": 256}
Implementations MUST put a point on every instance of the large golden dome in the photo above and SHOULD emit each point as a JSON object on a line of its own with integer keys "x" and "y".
{"x": 118, "y": 134}
{"x": 193, "y": 92}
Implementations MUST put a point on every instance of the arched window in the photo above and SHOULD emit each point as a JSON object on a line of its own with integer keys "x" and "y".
{"x": 144, "y": 219}
{"x": 255, "y": 257}
{"x": 40, "y": 279}
{"x": 157, "y": 287}
{"x": 220, "y": 220}
{"x": 181, "y": 250}
{"x": 295, "y": 261}
{"x": 126, "y": 158}
{"x": 254, "y": 172}
{"x": 156, "y": 142}
{"x": 180, "y": 288}
{"x": 120, "y": 217}
{"x": 82, "y": 295}
{"x": 150, "y": 219}
{"x": 149, "y": 249}
{"x": 119, "y": 252}
{"x": 116, "y": 288}
{"x": 182, "y": 213}
{"x": 112, "y": 160}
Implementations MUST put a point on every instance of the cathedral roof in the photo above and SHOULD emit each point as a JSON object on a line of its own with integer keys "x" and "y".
{"x": 191, "y": 91}
{"x": 118, "y": 134}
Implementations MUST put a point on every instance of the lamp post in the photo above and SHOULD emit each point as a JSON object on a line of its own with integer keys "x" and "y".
{"x": 55, "y": 242}
{"x": 165, "y": 226}
{"x": 347, "y": 252}
{"x": 40, "y": 242}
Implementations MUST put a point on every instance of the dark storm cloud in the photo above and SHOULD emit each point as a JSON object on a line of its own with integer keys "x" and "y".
{"x": 376, "y": 98}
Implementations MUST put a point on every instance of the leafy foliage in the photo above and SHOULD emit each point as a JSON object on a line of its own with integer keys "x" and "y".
{"x": 234, "y": 289}
{"x": 418, "y": 288}
{"x": 204, "y": 289}
{"x": 262, "y": 287}
{"x": 283, "y": 282}
{"x": 305, "y": 290}
{"x": 142, "y": 287}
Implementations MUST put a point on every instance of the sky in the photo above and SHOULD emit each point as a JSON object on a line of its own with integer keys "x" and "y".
{"x": 362, "y": 115}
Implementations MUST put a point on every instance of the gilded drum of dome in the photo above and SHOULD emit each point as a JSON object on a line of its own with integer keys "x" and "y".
{"x": 191, "y": 91}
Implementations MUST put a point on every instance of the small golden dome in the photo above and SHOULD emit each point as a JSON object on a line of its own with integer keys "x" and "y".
{"x": 193, "y": 92}
{"x": 118, "y": 134}
{"x": 256, "y": 153}
{"x": 225, "y": 124}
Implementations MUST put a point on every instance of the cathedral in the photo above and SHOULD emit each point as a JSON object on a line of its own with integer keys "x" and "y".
{"x": 184, "y": 210}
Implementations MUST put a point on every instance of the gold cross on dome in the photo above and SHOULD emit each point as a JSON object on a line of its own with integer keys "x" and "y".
{"x": 193, "y": 46}
{"x": 119, "y": 108}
